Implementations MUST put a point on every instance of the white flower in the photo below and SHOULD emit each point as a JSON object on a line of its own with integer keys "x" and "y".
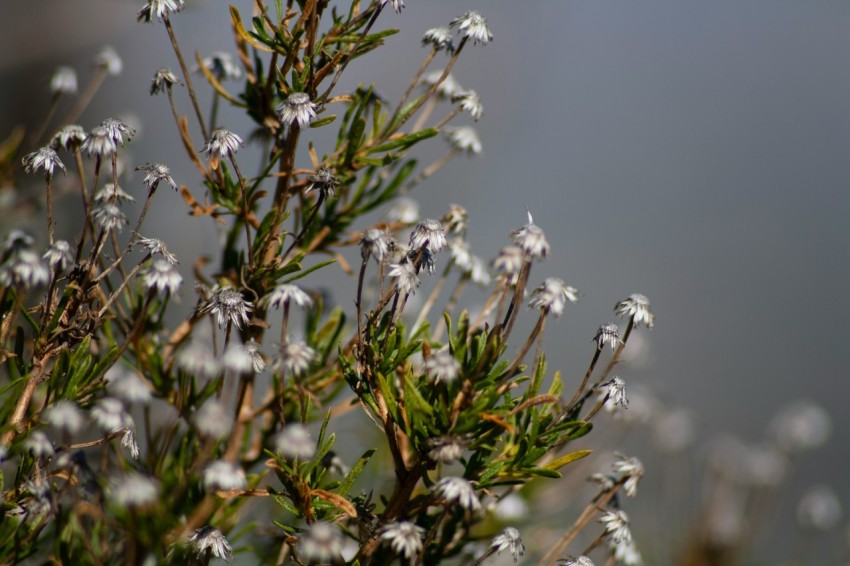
{"x": 460, "y": 491}
{"x": 109, "y": 415}
{"x": 531, "y": 240}
{"x": 38, "y": 445}
{"x": 439, "y": 38}
{"x": 295, "y": 442}
{"x": 320, "y": 544}
{"x": 222, "y": 143}
{"x": 65, "y": 415}
{"x": 163, "y": 80}
{"x": 374, "y": 243}
{"x": 553, "y": 295}
{"x": 404, "y": 537}
{"x": 801, "y": 426}
{"x": 209, "y": 541}
{"x": 446, "y": 89}
{"x": 428, "y": 232}
{"x": 156, "y": 173}
{"x": 637, "y": 308}
{"x": 237, "y": 359}
{"x": 626, "y": 553}
{"x": 509, "y": 539}
{"x": 513, "y": 507}
{"x": 464, "y": 138}
{"x": 99, "y": 143}
{"x": 158, "y": 10}
{"x": 441, "y": 366}
{"x": 294, "y": 357}
{"x": 116, "y": 130}
{"x": 227, "y": 306}
{"x": 68, "y": 137}
{"x": 221, "y": 65}
{"x": 109, "y": 59}
{"x": 197, "y": 359}
{"x": 616, "y": 526}
{"x": 128, "y": 441}
{"x": 607, "y": 334}
{"x": 59, "y": 256}
{"x": 44, "y": 159}
{"x": 509, "y": 261}
{"x": 580, "y": 561}
{"x": 406, "y": 278}
{"x": 473, "y": 25}
{"x": 296, "y": 109}
{"x": 157, "y": 246}
{"x": 288, "y": 294}
{"x": 256, "y": 355}
{"x": 213, "y": 420}
{"x": 456, "y": 220}
{"x": 24, "y": 267}
{"x": 126, "y": 385}
{"x": 470, "y": 102}
{"x": 405, "y": 211}
{"x": 64, "y": 81}
{"x": 614, "y": 393}
{"x": 134, "y": 490}
{"x": 445, "y": 449}
{"x": 323, "y": 181}
{"x": 109, "y": 217}
{"x": 223, "y": 476}
{"x": 162, "y": 277}
{"x": 112, "y": 193}
{"x": 632, "y": 468}
{"x": 819, "y": 509}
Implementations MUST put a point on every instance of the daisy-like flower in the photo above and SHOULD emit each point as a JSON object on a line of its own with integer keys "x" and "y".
{"x": 632, "y": 468}
{"x": 510, "y": 540}
{"x": 447, "y": 89}
{"x": 158, "y": 10}
{"x": 288, "y": 293}
{"x": 428, "y": 232}
{"x": 607, "y": 334}
{"x": 605, "y": 482}
{"x": 425, "y": 258}
{"x": 579, "y": 561}
{"x": 126, "y": 385}
{"x": 213, "y": 420}
{"x": 461, "y": 255}
{"x": 473, "y": 26}
{"x": 406, "y": 278}
{"x": 66, "y": 416}
{"x": 616, "y": 526}
{"x": 509, "y": 261}
{"x": 626, "y": 553}
{"x": 294, "y": 357}
{"x": 154, "y": 174}
{"x": 819, "y": 509}
{"x": 110, "y": 416}
{"x": 460, "y": 491}
{"x": 256, "y": 355}
{"x": 397, "y": 5}
{"x": 59, "y": 256}
{"x": 553, "y": 295}
{"x": 404, "y": 538}
{"x": 441, "y": 366}
{"x": 228, "y": 306}
{"x": 236, "y": 359}
{"x": 109, "y": 217}
{"x": 223, "y": 476}
{"x": 464, "y": 138}
{"x": 24, "y": 267}
{"x": 374, "y": 243}
{"x": 531, "y": 240}
{"x": 39, "y": 445}
{"x": 221, "y": 65}
{"x": 801, "y": 426}
{"x": 68, "y": 137}
{"x": 445, "y": 449}
{"x": 155, "y": 246}
{"x": 99, "y": 143}
{"x": 45, "y": 159}
{"x": 456, "y": 220}
{"x": 614, "y": 392}
{"x": 112, "y": 193}
{"x": 470, "y": 102}
{"x": 439, "y": 38}
{"x": 636, "y": 307}
{"x": 478, "y": 273}
{"x": 197, "y": 359}
{"x": 134, "y": 490}
{"x": 109, "y": 59}
{"x": 296, "y": 109}
{"x": 323, "y": 181}
{"x": 17, "y": 240}
{"x": 209, "y": 542}
{"x": 404, "y": 211}
{"x": 64, "y": 81}
{"x": 116, "y": 129}
{"x": 163, "y": 278}
{"x": 163, "y": 80}
{"x": 222, "y": 144}
{"x": 321, "y": 543}
{"x": 295, "y": 442}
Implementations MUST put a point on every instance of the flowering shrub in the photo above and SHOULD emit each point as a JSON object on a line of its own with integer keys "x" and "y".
{"x": 138, "y": 429}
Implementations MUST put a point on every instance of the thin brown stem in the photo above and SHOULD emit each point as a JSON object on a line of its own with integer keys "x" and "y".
{"x": 186, "y": 77}
{"x": 411, "y": 86}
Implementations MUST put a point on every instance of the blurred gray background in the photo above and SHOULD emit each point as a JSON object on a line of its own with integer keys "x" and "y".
{"x": 693, "y": 151}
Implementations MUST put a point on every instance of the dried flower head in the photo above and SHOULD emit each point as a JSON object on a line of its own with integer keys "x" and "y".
{"x": 632, "y": 469}
{"x": 802, "y": 426}
{"x": 209, "y": 542}
{"x": 116, "y": 130}
{"x": 110, "y": 416}
{"x": 125, "y": 384}
{"x": 258, "y": 364}
{"x": 531, "y": 240}
{"x": 470, "y": 102}
{"x": 447, "y": 88}
{"x": 197, "y": 359}
{"x": 445, "y": 449}
{"x": 221, "y": 65}
{"x": 293, "y": 357}
{"x": 228, "y": 306}
{"x": 323, "y": 181}
{"x": 461, "y": 254}
{"x": 288, "y": 293}
{"x": 155, "y": 246}
{"x": 108, "y": 59}
{"x": 63, "y": 81}
{"x": 38, "y": 445}
{"x": 404, "y": 538}
{"x": 45, "y": 159}
{"x": 111, "y": 192}
{"x": 374, "y": 243}
{"x": 321, "y": 543}
{"x": 441, "y": 366}
{"x": 572, "y": 561}
{"x": 460, "y": 491}
{"x": 616, "y": 525}
{"x": 128, "y": 441}
{"x": 397, "y": 5}
{"x": 158, "y": 10}
{"x": 626, "y": 553}
{"x": 68, "y": 137}
{"x": 154, "y": 174}
{"x": 109, "y": 217}
{"x": 428, "y": 233}
{"x": 406, "y": 278}
{"x": 607, "y": 334}
{"x": 295, "y": 442}
{"x": 404, "y": 211}
{"x": 163, "y": 278}
{"x": 224, "y": 476}
{"x": 66, "y": 416}
{"x": 222, "y": 144}
{"x": 17, "y": 240}
{"x": 553, "y": 295}
{"x": 99, "y": 143}
{"x": 456, "y": 220}
{"x": 819, "y": 509}
{"x": 59, "y": 256}
{"x": 24, "y": 268}
{"x": 163, "y": 80}
{"x": 509, "y": 261}
{"x": 473, "y": 25}
{"x": 510, "y": 540}
{"x": 614, "y": 394}
{"x": 439, "y": 38}
{"x": 636, "y": 307}
{"x": 213, "y": 420}
{"x": 296, "y": 109}
{"x": 464, "y": 138}
{"x": 134, "y": 490}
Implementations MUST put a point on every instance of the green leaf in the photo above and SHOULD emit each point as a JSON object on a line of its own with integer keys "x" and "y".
{"x": 310, "y": 270}
{"x": 323, "y": 121}
{"x": 356, "y": 470}
{"x": 405, "y": 142}
{"x": 567, "y": 459}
